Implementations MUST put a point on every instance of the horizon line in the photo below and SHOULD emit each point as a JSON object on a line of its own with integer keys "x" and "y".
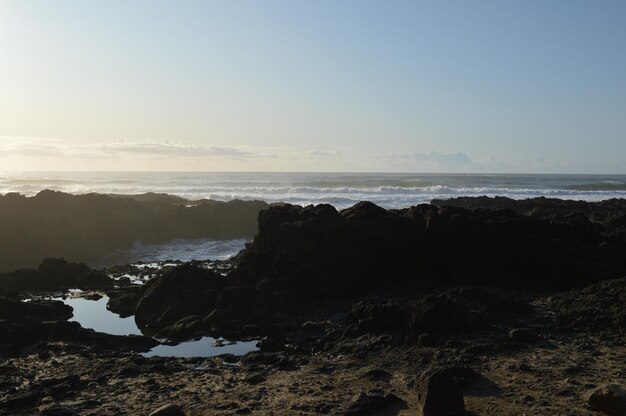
{"x": 314, "y": 172}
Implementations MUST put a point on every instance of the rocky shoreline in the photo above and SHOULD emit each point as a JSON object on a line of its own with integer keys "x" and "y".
{"x": 474, "y": 306}
{"x": 86, "y": 228}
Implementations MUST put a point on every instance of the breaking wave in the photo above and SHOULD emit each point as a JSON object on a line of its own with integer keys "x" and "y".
{"x": 339, "y": 189}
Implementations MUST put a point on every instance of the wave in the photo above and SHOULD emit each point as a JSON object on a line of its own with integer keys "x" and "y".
{"x": 39, "y": 182}
{"x": 340, "y": 190}
{"x": 599, "y": 186}
{"x": 177, "y": 249}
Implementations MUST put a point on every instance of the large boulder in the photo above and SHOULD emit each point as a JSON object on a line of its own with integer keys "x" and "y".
{"x": 374, "y": 402}
{"x": 452, "y": 311}
{"x": 439, "y": 394}
{"x": 319, "y": 252}
{"x": 70, "y": 331}
{"x": 54, "y": 275}
{"x": 123, "y": 301}
{"x": 183, "y": 291}
{"x": 238, "y": 311}
{"x": 74, "y": 275}
{"x": 607, "y": 398}
{"x": 14, "y": 310}
{"x": 241, "y": 306}
{"x": 185, "y": 329}
{"x": 61, "y": 330}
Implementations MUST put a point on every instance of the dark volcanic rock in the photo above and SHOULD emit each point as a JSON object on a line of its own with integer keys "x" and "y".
{"x": 136, "y": 343}
{"x": 19, "y": 321}
{"x": 244, "y": 308}
{"x": 17, "y": 311}
{"x": 26, "y": 399}
{"x": 455, "y": 310}
{"x": 69, "y": 331}
{"x": 74, "y": 275}
{"x": 381, "y": 318}
{"x": 609, "y": 212}
{"x": 439, "y": 394}
{"x": 523, "y": 335}
{"x": 14, "y": 336}
{"x": 27, "y": 323}
{"x": 184, "y": 329}
{"x": 608, "y": 398}
{"x": 61, "y": 330}
{"x": 55, "y": 274}
{"x": 87, "y": 227}
{"x": 184, "y": 291}
{"x": 373, "y": 402}
{"x": 124, "y": 301}
{"x": 168, "y": 410}
{"x": 319, "y": 251}
{"x": 465, "y": 308}
{"x": 599, "y": 307}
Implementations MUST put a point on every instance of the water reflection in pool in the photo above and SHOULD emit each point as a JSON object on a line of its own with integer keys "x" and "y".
{"x": 204, "y": 347}
{"x": 94, "y": 314}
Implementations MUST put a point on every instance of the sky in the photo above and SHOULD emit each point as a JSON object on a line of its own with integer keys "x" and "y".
{"x": 353, "y": 85}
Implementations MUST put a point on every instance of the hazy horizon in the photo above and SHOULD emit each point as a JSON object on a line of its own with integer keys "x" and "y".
{"x": 304, "y": 172}
{"x": 278, "y": 86}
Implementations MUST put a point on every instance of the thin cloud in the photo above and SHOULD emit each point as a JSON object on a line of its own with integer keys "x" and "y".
{"x": 124, "y": 154}
{"x": 321, "y": 153}
{"x": 121, "y": 148}
{"x": 151, "y": 148}
{"x": 28, "y": 146}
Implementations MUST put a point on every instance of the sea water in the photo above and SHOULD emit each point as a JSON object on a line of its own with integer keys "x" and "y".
{"x": 390, "y": 190}
{"x": 177, "y": 249}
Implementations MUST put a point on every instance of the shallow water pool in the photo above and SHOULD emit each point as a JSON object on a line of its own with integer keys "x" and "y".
{"x": 94, "y": 314}
{"x": 204, "y": 347}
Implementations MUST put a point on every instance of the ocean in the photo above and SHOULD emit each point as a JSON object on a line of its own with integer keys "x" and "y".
{"x": 390, "y": 190}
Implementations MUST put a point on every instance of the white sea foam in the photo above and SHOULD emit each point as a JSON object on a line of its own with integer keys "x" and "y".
{"x": 178, "y": 250}
{"x": 339, "y": 189}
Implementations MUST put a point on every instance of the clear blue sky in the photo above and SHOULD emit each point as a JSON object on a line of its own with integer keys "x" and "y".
{"x": 527, "y": 86}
